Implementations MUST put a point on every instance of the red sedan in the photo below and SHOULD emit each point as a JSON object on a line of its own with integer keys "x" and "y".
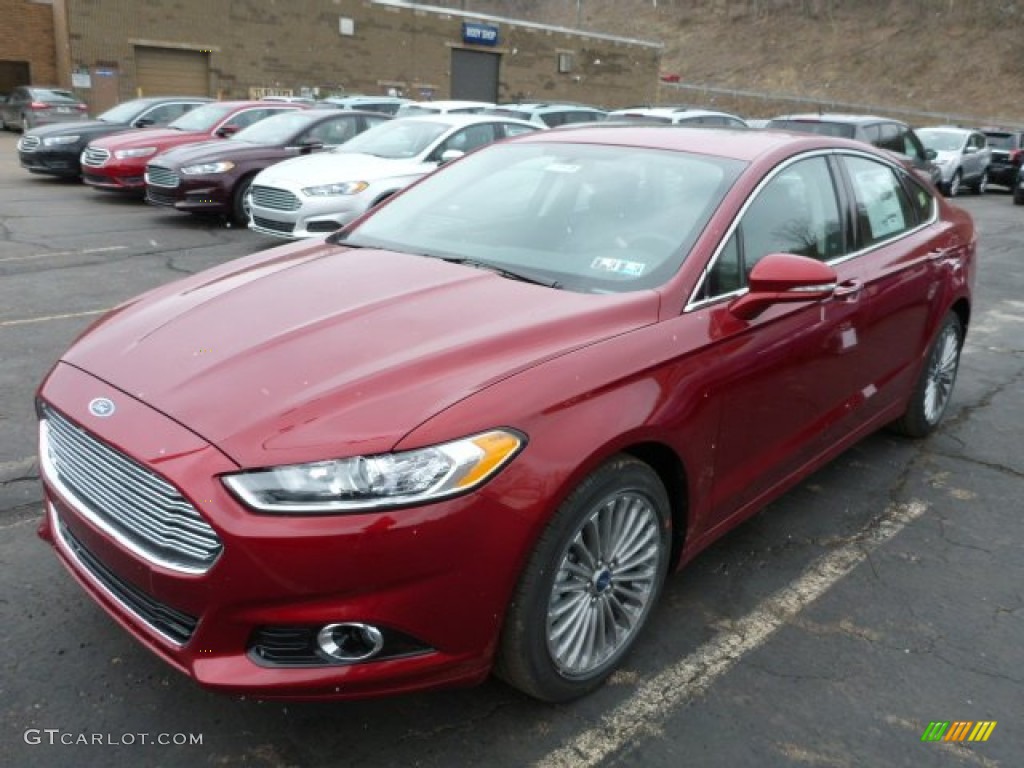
{"x": 475, "y": 429}
{"x": 118, "y": 162}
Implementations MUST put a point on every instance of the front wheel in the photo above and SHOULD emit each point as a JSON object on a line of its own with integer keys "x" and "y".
{"x": 934, "y": 387}
{"x": 590, "y": 584}
{"x": 240, "y": 208}
{"x": 953, "y": 188}
{"x": 980, "y": 186}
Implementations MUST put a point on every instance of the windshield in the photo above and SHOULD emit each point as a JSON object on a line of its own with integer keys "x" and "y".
{"x": 276, "y": 130}
{"x": 396, "y": 140}
{"x": 593, "y": 219}
{"x": 941, "y": 141}
{"x": 202, "y": 118}
{"x": 123, "y": 113}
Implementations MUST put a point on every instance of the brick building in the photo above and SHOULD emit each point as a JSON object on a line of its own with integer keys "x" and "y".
{"x": 27, "y": 47}
{"x": 110, "y": 50}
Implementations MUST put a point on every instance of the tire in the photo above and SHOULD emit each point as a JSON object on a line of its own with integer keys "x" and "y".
{"x": 239, "y": 207}
{"x": 934, "y": 387}
{"x": 980, "y": 187}
{"x": 578, "y": 609}
{"x": 953, "y": 188}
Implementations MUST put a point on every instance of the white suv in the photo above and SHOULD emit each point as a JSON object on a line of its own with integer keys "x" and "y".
{"x": 963, "y": 157}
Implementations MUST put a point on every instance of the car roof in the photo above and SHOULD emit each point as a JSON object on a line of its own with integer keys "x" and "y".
{"x": 449, "y": 104}
{"x": 736, "y": 144}
{"x": 671, "y": 113}
{"x": 459, "y": 119}
{"x": 838, "y": 117}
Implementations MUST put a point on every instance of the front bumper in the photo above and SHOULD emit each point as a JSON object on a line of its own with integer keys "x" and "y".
{"x": 315, "y": 218}
{"x": 192, "y": 195}
{"x": 116, "y": 175}
{"x": 438, "y": 576}
{"x": 52, "y": 162}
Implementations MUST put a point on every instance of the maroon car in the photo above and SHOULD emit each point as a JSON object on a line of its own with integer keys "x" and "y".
{"x": 118, "y": 162}
{"x": 476, "y": 428}
{"x": 215, "y": 176}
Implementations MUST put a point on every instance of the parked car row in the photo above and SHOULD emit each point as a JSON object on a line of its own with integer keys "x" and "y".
{"x": 173, "y": 152}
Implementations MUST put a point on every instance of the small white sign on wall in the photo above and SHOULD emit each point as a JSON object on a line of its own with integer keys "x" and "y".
{"x": 346, "y": 26}
{"x": 81, "y": 80}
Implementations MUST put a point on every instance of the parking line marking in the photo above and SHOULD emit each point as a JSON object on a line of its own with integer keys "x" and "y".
{"x": 28, "y": 320}
{"x": 658, "y": 698}
{"x": 65, "y": 253}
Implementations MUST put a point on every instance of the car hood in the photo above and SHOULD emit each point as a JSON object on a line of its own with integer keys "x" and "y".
{"x": 332, "y": 167}
{"x": 81, "y": 127}
{"x": 149, "y": 137}
{"x": 945, "y": 156}
{"x": 217, "y": 149}
{"x": 319, "y": 350}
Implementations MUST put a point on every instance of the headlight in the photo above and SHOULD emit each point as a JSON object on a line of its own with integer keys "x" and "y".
{"x": 331, "y": 190}
{"x": 372, "y": 482}
{"x": 123, "y": 154}
{"x": 204, "y": 168}
{"x": 51, "y": 141}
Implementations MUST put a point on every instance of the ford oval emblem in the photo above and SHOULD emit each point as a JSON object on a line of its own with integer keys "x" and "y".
{"x": 102, "y": 407}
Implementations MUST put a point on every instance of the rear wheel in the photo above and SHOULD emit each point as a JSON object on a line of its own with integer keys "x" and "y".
{"x": 590, "y": 584}
{"x": 934, "y": 387}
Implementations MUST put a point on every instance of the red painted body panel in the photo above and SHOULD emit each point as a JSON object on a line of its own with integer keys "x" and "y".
{"x": 317, "y": 351}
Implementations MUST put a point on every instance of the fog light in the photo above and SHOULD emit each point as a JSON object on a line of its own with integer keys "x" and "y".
{"x": 350, "y": 641}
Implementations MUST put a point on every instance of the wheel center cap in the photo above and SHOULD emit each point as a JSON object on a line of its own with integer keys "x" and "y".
{"x": 602, "y": 580}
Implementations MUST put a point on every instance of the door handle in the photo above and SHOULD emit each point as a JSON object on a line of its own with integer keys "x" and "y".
{"x": 848, "y": 290}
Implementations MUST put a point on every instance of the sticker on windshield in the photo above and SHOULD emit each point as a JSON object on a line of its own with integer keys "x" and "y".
{"x": 619, "y": 266}
{"x": 562, "y": 168}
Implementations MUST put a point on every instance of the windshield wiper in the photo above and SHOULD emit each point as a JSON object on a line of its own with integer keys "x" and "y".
{"x": 504, "y": 272}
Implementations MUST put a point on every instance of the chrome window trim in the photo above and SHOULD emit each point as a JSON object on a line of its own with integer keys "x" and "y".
{"x": 693, "y": 304}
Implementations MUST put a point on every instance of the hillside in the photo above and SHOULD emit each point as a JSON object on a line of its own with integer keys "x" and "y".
{"x": 928, "y": 60}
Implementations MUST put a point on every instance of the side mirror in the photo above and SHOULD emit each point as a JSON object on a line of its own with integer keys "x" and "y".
{"x": 450, "y": 154}
{"x": 931, "y": 154}
{"x": 227, "y": 130}
{"x": 784, "y": 278}
{"x": 144, "y": 122}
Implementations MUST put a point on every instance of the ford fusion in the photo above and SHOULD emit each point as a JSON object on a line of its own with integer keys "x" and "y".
{"x": 474, "y": 430}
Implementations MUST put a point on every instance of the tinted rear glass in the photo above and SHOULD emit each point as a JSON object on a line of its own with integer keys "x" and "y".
{"x": 51, "y": 96}
{"x": 1002, "y": 140}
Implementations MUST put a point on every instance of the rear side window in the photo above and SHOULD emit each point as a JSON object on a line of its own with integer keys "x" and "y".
{"x": 884, "y": 210}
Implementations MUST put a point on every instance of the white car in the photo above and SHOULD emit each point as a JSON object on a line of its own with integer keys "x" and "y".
{"x": 316, "y": 194}
{"x": 678, "y": 116}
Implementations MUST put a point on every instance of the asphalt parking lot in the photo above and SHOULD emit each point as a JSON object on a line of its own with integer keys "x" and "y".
{"x": 881, "y": 595}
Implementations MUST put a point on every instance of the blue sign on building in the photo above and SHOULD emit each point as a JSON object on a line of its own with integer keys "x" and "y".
{"x": 479, "y": 34}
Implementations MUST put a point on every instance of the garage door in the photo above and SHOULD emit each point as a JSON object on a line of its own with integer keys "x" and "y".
{"x": 171, "y": 72}
{"x": 474, "y": 75}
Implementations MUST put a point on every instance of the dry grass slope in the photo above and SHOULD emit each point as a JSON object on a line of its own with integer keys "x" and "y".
{"x": 927, "y": 60}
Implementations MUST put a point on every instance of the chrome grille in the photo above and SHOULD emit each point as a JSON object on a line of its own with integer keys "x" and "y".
{"x": 95, "y": 156}
{"x": 161, "y": 177}
{"x": 28, "y": 143}
{"x": 277, "y": 199}
{"x": 173, "y": 624}
{"x": 140, "y": 509}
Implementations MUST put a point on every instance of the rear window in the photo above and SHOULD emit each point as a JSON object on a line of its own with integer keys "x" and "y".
{"x": 839, "y": 130}
{"x": 1002, "y": 140}
{"x": 53, "y": 96}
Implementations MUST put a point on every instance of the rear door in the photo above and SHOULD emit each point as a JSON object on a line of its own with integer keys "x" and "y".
{"x": 902, "y": 247}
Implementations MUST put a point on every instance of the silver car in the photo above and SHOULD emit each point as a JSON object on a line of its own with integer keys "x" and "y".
{"x": 28, "y": 106}
{"x": 316, "y": 194}
{"x": 962, "y": 155}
